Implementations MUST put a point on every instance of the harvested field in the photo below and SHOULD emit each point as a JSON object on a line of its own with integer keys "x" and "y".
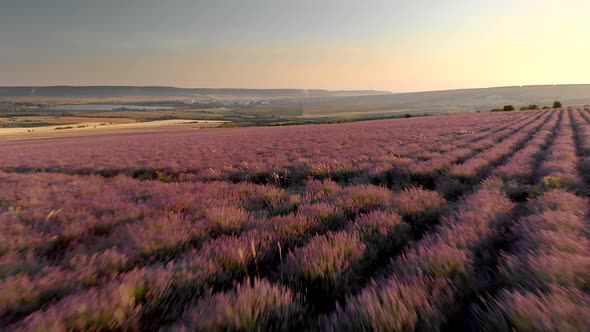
{"x": 102, "y": 126}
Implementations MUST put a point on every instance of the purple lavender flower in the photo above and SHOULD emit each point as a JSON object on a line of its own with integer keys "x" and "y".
{"x": 262, "y": 306}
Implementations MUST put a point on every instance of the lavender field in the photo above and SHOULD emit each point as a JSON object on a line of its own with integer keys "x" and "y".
{"x": 466, "y": 222}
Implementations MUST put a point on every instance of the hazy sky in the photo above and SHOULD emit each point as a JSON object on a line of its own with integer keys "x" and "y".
{"x": 332, "y": 44}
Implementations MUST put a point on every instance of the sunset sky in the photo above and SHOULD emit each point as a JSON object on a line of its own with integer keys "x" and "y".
{"x": 329, "y": 44}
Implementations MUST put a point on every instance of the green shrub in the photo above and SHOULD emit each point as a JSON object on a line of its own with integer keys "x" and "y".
{"x": 508, "y": 108}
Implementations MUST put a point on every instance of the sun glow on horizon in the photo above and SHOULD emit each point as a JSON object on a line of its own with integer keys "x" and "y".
{"x": 386, "y": 45}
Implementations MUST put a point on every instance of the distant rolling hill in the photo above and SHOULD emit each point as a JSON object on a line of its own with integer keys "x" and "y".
{"x": 449, "y": 101}
{"x": 314, "y": 104}
{"x": 157, "y": 91}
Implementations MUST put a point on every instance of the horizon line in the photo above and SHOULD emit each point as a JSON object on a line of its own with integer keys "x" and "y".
{"x": 261, "y": 89}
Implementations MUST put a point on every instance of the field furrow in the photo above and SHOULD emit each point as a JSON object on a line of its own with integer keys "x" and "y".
{"x": 548, "y": 258}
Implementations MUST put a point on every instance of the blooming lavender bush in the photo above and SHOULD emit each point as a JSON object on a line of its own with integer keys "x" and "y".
{"x": 561, "y": 310}
{"x": 362, "y": 199}
{"x": 421, "y": 208}
{"x": 391, "y": 305}
{"x": 381, "y": 231}
{"x": 116, "y": 306}
{"x": 260, "y": 307}
{"x": 228, "y": 219}
{"x": 327, "y": 264}
{"x": 328, "y": 215}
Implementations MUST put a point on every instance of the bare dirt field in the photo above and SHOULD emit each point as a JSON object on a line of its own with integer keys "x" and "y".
{"x": 22, "y": 121}
{"x": 100, "y": 127}
{"x": 187, "y": 113}
{"x": 83, "y": 100}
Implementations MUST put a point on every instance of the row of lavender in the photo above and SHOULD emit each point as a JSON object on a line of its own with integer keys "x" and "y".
{"x": 420, "y": 284}
{"x": 53, "y": 216}
{"x": 314, "y": 265}
{"x": 254, "y": 247}
{"x": 428, "y": 282}
{"x": 545, "y": 276}
{"x": 269, "y": 155}
{"x": 155, "y": 247}
{"x": 62, "y": 201}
